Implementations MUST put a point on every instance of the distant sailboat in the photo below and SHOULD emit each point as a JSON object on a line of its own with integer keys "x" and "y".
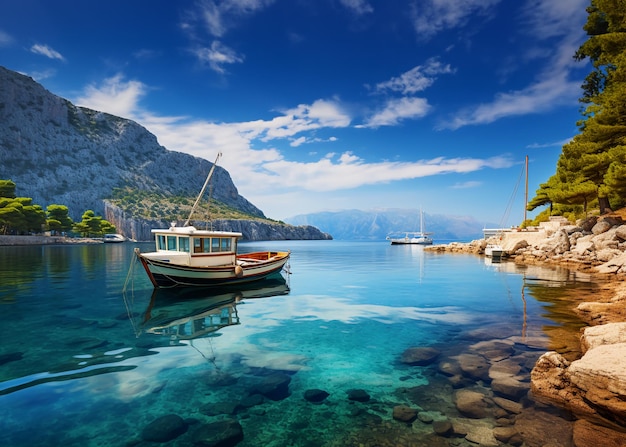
{"x": 413, "y": 237}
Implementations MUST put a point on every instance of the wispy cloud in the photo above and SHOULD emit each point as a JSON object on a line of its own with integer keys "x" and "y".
{"x": 217, "y": 56}
{"x": 432, "y": 16}
{"x": 417, "y": 79}
{"x": 396, "y": 110}
{"x": 213, "y": 19}
{"x": 407, "y": 84}
{"x": 554, "y": 32}
{"x": 5, "y": 39}
{"x": 358, "y": 6}
{"x": 466, "y": 185}
{"x": 553, "y": 144}
{"x": 45, "y": 50}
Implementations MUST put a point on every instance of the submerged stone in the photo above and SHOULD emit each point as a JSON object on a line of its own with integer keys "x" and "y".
{"x": 164, "y": 429}
{"x": 315, "y": 395}
{"x": 218, "y": 434}
{"x": 274, "y": 387}
{"x": 358, "y": 395}
{"x": 419, "y": 356}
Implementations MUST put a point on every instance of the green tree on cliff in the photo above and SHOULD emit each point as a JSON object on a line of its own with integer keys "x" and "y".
{"x": 591, "y": 167}
{"x": 58, "y": 218}
{"x": 92, "y": 225}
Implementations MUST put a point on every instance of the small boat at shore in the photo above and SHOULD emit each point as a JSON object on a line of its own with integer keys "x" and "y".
{"x": 113, "y": 238}
{"x": 186, "y": 256}
{"x": 494, "y": 251}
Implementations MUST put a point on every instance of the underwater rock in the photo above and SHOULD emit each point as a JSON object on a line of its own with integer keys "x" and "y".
{"x": 419, "y": 356}
{"x": 274, "y": 386}
{"x": 474, "y": 366}
{"x": 218, "y": 434}
{"x": 11, "y": 357}
{"x": 540, "y": 428}
{"x": 164, "y": 429}
{"x": 443, "y": 428}
{"x": 471, "y": 404}
{"x": 358, "y": 395}
{"x": 510, "y": 387}
{"x": 217, "y": 408}
{"x": 404, "y": 413}
{"x": 315, "y": 395}
{"x": 251, "y": 401}
{"x": 586, "y": 433}
{"x": 508, "y": 435}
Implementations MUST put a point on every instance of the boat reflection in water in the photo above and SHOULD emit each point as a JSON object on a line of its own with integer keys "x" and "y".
{"x": 190, "y": 313}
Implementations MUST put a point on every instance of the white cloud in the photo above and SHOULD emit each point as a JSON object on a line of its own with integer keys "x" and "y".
{"x": 116, "y": 96}
{"x": 218, "y": 55}
{"x": 415, "y": 80}
{"x": 358, "y": 6}
{"x": 396, "y": 110}
{"x": 432, "y": 16}
{"x": 45, "y": 50}
{"x": 265, "y": 174}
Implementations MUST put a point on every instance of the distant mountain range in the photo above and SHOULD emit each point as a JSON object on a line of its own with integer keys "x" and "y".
{"x": 373, "y": 225}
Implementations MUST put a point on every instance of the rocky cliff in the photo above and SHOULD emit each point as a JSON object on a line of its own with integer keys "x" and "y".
{"x": 58, "y": 153}
{"x": 252, "y": 230}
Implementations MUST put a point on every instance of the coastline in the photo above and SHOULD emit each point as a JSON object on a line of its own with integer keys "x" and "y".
{"x": 591, "y": 387}
{"x": 13, "y": 241}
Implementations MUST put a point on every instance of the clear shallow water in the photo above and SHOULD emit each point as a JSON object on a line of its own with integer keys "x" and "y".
{"x": 81, "y": 364}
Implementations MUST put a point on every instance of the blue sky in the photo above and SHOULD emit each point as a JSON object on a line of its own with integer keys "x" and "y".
{"x": 328, "y": 104}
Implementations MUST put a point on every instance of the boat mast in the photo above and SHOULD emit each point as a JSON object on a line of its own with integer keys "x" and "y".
{"x": 206, "y": 182}
{"x": 526, "y": 196}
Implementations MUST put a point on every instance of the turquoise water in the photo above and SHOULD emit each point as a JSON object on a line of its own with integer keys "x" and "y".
{"x": 84, "y": 364}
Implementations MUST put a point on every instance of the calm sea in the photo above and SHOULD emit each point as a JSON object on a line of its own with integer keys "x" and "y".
{"x": 84, "y": 362}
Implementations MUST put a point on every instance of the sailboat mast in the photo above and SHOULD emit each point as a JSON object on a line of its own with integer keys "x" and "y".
{"x": 526, "y": 196}
{"x": 206, "y": 182}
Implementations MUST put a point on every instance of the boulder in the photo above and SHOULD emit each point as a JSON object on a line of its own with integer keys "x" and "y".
{"x": 419, "y": 356}
{"x": 274, "y": 386}
{"x": 404, "y": 413}
{"x": 605, "y": 334}
{"x": 164, "y": 429}
{"x": 474, "y": 366}
{"x": 588, "y": 434}
{"x": 358, "y": 395}
{"x": 218, "y": 434}
{"x": 471, "y": 404}
{"x": 315, "y": 395}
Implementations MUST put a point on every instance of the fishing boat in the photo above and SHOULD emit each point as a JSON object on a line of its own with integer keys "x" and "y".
{"x": 413, "y": 237}
{"x": 186, "y": 256}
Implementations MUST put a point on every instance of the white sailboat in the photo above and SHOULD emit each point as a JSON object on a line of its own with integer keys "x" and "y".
{"x": 413, "y": 237}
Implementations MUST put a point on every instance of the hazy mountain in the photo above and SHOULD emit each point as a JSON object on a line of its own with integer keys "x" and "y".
{"x": 377, "y": 224}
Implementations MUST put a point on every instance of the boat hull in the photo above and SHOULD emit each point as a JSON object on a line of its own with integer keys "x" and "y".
{"x": 164, "y": 274}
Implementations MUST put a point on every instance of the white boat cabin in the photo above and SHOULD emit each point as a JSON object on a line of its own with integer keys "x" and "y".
{"x": 197, "y": 248}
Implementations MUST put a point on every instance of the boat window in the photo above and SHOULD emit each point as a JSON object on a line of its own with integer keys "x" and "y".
{"x": 215, "y": 244}
{"x": 171, "y": 243}
{"x": 197, "y": 245}
{"x": 183, "y": 244}
{"x": 161, "y": 242}
{"x": 225, "y": 244}
{"x": 206, "y": 245}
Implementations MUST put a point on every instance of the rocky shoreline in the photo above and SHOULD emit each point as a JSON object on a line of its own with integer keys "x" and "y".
{"x": 592, "y": 387}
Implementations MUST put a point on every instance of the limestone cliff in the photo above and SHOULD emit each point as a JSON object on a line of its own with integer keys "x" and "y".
{"x": 58, "y": 153}
{"x": 252, "y": 230}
